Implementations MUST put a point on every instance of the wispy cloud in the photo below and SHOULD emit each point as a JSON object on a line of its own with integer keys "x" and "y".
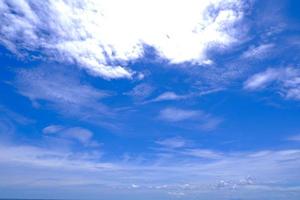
{"x": 63, "y": 91}
{"x": 50, "y": 158}
{"x": 286, "y": 81}
{"x": 79, "y": 134}
{"x": 168, "y": 96}
{"x": 56, "y": 87}
{"x": 190, "y": 172}
{"x": 295, "y": 138}
{"x": 141, "y": 91}
{"x": 92, "y": 34}
{"x": 173, "y": 96}
{"x": 258, "y": 52}
{"x": 15, "y": 117}
{"x": 174, "y": 142}
{"x": 262, "y": 79}
{"x": 194, "y": 119}
{"x": 203, "y": 153}
{"x": 52, "y": 129}
{"x": 176, "y": 114}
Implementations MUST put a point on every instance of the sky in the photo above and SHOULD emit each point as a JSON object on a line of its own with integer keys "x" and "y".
{"x": 143, "y": 100}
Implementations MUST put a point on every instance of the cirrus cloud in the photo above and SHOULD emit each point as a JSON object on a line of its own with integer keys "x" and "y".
{"x": 285, "y": 80}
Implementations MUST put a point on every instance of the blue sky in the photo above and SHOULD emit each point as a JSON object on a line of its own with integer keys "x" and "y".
{"x": 150, "y": 99}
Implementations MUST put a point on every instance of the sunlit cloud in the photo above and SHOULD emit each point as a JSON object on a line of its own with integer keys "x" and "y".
{"x": 92, "y": 33}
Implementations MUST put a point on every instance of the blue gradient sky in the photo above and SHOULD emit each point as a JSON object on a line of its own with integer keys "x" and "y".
{"x": 150, "y": 99}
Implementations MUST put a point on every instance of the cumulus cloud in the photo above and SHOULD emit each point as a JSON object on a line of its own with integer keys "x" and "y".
{"x": 102, "y": 36}
{"x": 285, "y": 80}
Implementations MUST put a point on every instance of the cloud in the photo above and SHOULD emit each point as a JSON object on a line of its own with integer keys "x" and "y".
{"x": 176, "y": 115}
{"x": 92, "y": 34}
{"x": 192, "y": 119}
{"x": 203, "y": 153}
{"x": 172, "y": 96}
{"x": 175, "y": 142}
{"x": 261, "y": 80}
{"x": 15, "y": 117}
{"x": 81, "y": 135}
{"x": 192, "y": 172}
{"x": 141, "y": 91}
{"x": 63, "y": 91}
{"x": 168, "y": 96}
{"x": 285, "y": 80}
{"x": 295, "y": 138}
{"x": 258, "y": 52}
{"x": 39, "y": 84}
{"x": 49, "y": 158}
{"x": 52, "y": 129}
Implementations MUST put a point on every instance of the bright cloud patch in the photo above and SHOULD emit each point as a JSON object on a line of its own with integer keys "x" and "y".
{"x": 101, "y": 36}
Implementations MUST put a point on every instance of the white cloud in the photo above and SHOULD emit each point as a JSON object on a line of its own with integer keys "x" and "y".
{"x": 52, "y": 129}
{"x": 100, "y": 36}
{"x": 54, "y": 86}
{"x": 172, "y": 96}
{"x": 258, "y": 52}
{"x": 50, "y": 158}
{"x": 210, "y": 123}
{"x": 135, "y": 186}
{"x": 15, "y": 117}
{"x": 190, "y": 119}
{"x": 79, "y": 134}
{"x": 141, "y": 91}
{"x": 203, "y": 153}
{"x": 82, "y": 135}
{"x": 167, "y": 96}
{"x": 285, "y": 80}
{"x": 176, "y": 115}
{"x": 66, "y": 93}
{"x": 175, "y": 142}
{"x": 295, "y": 138}
{"x": 194, "y": 171}
{"x": 261, "y": 80}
